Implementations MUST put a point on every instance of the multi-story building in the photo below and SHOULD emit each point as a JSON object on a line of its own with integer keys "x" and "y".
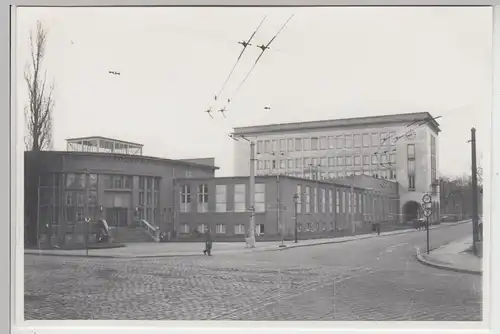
{"x": 121, "y": 185}
{"x": 402, "y": 148}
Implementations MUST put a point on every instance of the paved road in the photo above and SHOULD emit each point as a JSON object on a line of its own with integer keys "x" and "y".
{"x": 372, "y": 279}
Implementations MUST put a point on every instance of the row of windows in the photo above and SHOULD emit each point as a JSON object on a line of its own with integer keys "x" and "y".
{"x": 411, "y": 157}
{"x": 361, "y": 202}
{"x": 326, "y": 142}
{"x": 221, "y": 198}
{"x": 239, "y": 229}
{"x": 337, "y": 161}
{"x": 387, "y": 174}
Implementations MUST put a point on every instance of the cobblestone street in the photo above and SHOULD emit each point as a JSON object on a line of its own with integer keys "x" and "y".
{"x": 372, "y": 279}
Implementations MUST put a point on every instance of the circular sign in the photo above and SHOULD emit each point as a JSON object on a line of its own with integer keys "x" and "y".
{"x": 427, "y": 212}
{"x": 87, "y": 219}
{"x": 426, "y": 198}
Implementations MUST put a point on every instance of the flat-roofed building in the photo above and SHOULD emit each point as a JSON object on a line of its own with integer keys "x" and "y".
{"x": 402, "y": 148}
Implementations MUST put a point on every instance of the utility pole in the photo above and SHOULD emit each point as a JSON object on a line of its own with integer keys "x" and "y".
{"x": 86, "y": 211}
{"x": 474, "y": 191}
{"x": 251, "y": 189}
{"x": 38, "y": 219}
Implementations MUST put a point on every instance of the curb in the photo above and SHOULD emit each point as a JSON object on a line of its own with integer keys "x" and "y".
{"x": 365, "y": 237}
{"x": 362, "y": 236}
{"x": 426, "y": 262}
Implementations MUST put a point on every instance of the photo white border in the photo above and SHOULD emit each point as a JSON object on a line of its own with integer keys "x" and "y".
{"x": 11, "y": 203}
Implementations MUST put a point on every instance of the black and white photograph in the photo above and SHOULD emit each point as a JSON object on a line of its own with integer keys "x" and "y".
{"x": 254, "y": 163}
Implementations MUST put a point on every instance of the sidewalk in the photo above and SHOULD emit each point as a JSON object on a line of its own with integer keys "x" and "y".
{"x": 454, "y": 257}
{"x": 152, "y": 250}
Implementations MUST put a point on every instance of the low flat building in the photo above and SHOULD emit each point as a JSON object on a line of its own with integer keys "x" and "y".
{"x": 322, "y": 206}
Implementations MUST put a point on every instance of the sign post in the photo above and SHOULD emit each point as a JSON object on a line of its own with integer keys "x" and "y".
{"x": 87, "y": 221}
{"x": 427, "y": 213}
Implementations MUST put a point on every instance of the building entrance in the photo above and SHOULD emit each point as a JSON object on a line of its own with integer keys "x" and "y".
{"x": 117, "y": 217}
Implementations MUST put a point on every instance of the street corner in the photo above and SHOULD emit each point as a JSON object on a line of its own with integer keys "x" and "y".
{"x": 440, "y": 263}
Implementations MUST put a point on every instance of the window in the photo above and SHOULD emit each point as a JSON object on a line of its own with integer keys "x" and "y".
{"x": 79, "y": 215}
{"x": 282, "y": 164}
{"x": 337, "y": 201}
{"x": 357, "y": 160}
{"x": 343, "y": 201}
{"x": 323, "y": 200}
{"x": 185, "y": 198}
{"x": 298, "y": 163}
{"x": 260, "y": 147}
{"x": 384, "y": 138}
{"x": 349, "y": 202}
{"x": 220, "y": 198}
{"x": 374, "y": 159}
{"x": 239, "y": 229}
{"x": 340, "y": 161}
{"x": 322, "y": 162}
{"x": 383, "y": 158}
{"x": 184, "y": 228}
{"x": 392, "y": 175}
{"x": 268, "y": 164}
{"x": 260, "y": 164}
{"x": 314, "y": 161}
{"x": 299, "y": 199}
{"x": 357, "y": 141}
{"x": 203, "y": 198}
{"x": 290, "y": 163}
{"x": 433, "y": 160}
{"x": 260, "y": 229}
{"x": 392, "y": 158}
{"x": 411, "y": 166}
{"x": 366, "y": 160}
{"x": 393, "y": 137}
{"x": 375, "y": 139}
{"x": 220, "y": 229}
{"x": 307, "y": 162}
{"x": 307, "y": 144}
{"x": 331, "y": 162}
{"x": 202, "y": 228}
{"x": 314, "y": 143}
{"x": 298, "y": 144}
{"x": 149, "y": 198}
{"x": 260, "y": 197}
{"x": 355, "y": 203}
{"x": 267, "y": 146}
{"x": 282, "y": 145}
{"x": 348, "y": 141}
{"x": 315, "y": 191}
{"x": 323, "y": 143}
{"x": 331, "y": 142}
{"x": 273, "y": 164}
{"x": 80, "y": 198}
{"x": 348, "y": 161}
{"x": 308, "y": 199}
{"x": 340, "y": 141}
{"x": 239, "y": 198}
{"x": 366, "y": 140}
{"x": 141, "y": 199}
{"x": 330, "y": 200}
{"x": 360, "y": 207}
{"x": 290, "y": 145}
{"x": 275, "y": 146}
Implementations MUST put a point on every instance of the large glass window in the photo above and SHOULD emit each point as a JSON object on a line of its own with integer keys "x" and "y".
{"x": 203, "y": 198}
{"x": 220, "y": 198}
{"x": 260, "y": 197}
{"x": 239, "y": 198}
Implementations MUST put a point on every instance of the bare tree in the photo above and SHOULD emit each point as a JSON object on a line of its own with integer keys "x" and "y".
{"x": 38, "y": 112}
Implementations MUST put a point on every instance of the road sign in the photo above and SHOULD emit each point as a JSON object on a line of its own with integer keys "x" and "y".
{"x": 427, "y": 205}
{"x": 87, "y": 219}
{"x": 427, "y": 212}
{"x": 426, "y": 198}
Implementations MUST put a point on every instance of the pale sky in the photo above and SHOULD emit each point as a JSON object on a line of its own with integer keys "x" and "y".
{"x": 327, "y": 63}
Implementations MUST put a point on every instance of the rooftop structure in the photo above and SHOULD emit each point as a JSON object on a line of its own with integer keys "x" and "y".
{"x": 103, "y": 145}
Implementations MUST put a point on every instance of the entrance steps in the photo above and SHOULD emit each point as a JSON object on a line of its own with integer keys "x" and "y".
{"x": 130, "y": 234}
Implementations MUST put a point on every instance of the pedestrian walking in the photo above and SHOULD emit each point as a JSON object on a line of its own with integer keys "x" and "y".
{"x": 208, "y": 243}
{"x": 378, "y": 228}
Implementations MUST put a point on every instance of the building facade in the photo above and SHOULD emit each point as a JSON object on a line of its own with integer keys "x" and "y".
{"x": 62, "y": 188}
{"x": 402, "y": 148}
{"x": 322, "y": 206}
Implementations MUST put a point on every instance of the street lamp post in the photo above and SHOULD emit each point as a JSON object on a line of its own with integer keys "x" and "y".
{"x": 295, "y": 201}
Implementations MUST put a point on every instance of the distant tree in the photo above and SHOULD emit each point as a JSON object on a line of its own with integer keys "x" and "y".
{"x": 38, "y": 112}
{"x": 38, "y": 137}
